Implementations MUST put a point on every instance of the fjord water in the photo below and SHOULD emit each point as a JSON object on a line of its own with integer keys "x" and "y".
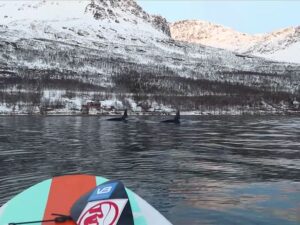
{"x": 207, "y": 170}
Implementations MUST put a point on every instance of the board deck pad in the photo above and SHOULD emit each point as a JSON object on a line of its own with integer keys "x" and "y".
{"x": 58, "y": 195}
{"x": 65, "y": 192}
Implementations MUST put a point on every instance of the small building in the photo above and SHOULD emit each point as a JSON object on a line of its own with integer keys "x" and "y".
{"x": 94, "y": 106}
{"x": 296, "y": 104}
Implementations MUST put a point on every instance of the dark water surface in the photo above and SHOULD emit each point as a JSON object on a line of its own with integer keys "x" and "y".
{"x": 218, "y": 170}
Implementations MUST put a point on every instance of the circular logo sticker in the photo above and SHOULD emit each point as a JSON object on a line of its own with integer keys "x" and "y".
{"x": 102, "y": 213}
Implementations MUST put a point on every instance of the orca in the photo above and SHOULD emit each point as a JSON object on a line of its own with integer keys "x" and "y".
{"x": 123, "y": 118}
{"x": 175, "y": 120}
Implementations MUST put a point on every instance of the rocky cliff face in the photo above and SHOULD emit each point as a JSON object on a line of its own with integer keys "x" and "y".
{"x": 161, "y": 23}
{"x": 127, "y": 10}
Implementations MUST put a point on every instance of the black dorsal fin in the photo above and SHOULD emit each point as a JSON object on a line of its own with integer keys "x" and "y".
{"x": 125, "y": 114}
{"x": 177, "y": 117}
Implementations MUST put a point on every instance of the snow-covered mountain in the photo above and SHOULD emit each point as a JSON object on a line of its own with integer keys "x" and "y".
{"x": 281, "y": 45}
{"x": 46, "y": 17}
{"x": 65, "y": 54}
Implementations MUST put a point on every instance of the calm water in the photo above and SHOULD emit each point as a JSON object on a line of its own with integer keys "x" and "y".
{"x": 219, "y": 170}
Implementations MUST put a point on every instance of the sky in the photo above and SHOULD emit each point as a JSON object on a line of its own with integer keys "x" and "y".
{"x": 249, "y": 16}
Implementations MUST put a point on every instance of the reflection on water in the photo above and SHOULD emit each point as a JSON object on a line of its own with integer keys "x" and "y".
{"x": 219, "y": 170}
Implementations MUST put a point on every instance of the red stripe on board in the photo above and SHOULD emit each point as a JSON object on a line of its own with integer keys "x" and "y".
{"x": 64, "y": 192}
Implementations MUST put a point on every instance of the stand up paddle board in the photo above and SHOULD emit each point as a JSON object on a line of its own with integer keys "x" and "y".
{"x": 79, "y": 200}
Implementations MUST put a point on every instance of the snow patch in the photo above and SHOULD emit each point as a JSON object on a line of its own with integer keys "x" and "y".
{"x": 290, "y": 54}
{"x": 112, "y": 104}
{"x": 4, "y": 109}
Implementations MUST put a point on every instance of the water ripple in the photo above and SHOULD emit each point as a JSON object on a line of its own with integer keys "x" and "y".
{"x": 207, "y": 170}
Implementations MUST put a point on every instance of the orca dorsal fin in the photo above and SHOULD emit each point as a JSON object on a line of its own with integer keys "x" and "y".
{"x": 177, "y": 117}
{"x": 125, "y": 114}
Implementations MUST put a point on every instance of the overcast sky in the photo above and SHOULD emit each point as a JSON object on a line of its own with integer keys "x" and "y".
{"x": 256, "y": 16}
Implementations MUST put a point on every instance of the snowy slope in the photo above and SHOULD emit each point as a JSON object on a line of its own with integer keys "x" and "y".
{"x": 290, "y": 53}
{"x": 279, "y": 45}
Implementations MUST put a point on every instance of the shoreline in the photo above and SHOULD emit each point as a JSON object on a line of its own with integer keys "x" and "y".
{"x": 183, "y": 113}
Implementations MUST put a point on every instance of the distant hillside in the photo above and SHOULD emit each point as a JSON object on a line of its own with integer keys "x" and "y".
{"x": 67, "y": 56}
{"x": 281, "y": 45}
